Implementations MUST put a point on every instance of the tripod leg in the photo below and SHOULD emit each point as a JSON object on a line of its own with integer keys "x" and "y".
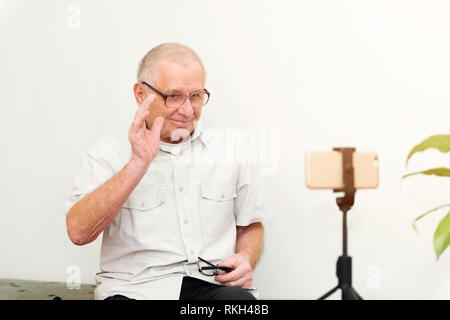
{"x": 348, "y": 293}
{"x": 329, "y": 293}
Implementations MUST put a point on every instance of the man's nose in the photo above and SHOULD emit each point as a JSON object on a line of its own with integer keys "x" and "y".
{"x": 186, "y": 108}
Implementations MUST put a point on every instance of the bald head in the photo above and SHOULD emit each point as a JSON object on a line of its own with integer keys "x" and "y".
{"x": 171, "y": 52}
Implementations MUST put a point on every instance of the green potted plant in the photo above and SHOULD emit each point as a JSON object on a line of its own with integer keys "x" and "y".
{"x": 441, "y": 142}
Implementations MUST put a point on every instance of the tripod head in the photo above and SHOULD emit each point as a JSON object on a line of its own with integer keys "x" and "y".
{"x": 348, "y": 174}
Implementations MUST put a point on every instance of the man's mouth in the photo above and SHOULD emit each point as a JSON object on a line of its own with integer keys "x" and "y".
{"x": 182, "y": 123}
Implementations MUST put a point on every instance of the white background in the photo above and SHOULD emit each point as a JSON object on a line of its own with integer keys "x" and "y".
{"x": 368, "y": 74}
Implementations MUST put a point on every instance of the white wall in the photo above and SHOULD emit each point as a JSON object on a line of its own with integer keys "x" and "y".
{"x": 369, "y": 74}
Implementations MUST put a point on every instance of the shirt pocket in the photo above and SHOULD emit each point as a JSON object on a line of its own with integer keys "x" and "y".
{"x": 144, "y": 203}
{"x": 145, "y": 219}
{"x": 217, "y": 208}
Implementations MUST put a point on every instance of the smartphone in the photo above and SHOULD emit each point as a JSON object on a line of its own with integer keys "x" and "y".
{"x": 324, "y": 170}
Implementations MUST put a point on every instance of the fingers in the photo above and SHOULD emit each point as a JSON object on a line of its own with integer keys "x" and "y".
{"x": 229, "y": 276}
{"x": 156, "y": 127}
{"x": 241, "y": 276}
{"x": 236, "y": 278}
{"x": 142, "y": 112}
{"x": 235, "y": 275}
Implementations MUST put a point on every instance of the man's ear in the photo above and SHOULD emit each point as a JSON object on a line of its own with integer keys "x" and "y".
{"x": 139, "y": 93}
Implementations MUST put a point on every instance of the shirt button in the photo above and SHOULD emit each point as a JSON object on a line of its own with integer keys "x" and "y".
{"x": 142, "y": 204}
{"x": 192, "y": 251}
{"x": 185, "y": 221}
{"x": 222, "y": 196}
{"x": 180, "y": 189}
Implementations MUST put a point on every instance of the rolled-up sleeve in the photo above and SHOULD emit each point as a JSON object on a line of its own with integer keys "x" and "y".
{"x": 97, "y": 167}
{"x": 251, "y": 202}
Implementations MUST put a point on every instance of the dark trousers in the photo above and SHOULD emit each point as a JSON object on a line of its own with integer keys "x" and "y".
{"x": 195, "y": 289}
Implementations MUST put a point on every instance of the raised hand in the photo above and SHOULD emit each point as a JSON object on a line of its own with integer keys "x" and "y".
{"x": 144, "y": 142}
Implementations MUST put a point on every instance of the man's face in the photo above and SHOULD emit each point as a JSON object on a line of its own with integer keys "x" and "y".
{"x": 174, "y": 77}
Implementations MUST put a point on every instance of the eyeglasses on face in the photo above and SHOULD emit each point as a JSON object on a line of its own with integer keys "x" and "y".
{"x": 175, "y": 100}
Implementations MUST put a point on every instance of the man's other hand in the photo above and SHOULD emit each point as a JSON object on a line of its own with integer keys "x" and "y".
{"x": 241, "y": 276}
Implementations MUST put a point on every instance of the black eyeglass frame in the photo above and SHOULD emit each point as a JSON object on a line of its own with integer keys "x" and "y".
{"x": 211, "y": 267}
{"x": 186, "y": 96}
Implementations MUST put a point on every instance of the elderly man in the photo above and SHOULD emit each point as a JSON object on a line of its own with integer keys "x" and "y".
{"x": 172, "y": 229}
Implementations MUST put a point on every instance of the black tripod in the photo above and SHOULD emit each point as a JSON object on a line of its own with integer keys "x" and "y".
{"x": 344, "y": 263}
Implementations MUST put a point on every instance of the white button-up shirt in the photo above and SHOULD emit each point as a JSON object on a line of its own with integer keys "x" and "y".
{"x": 187, "y": 205}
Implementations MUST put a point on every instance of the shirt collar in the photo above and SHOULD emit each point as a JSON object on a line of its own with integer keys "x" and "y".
{"x": 198, "y": 133}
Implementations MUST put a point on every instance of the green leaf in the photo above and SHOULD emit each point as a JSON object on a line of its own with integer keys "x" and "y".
{"x": 440, "y": 142}
{"x": 442, "y": 235}
{"x": 441, "y": 172}
{"x": 426, "y": 213}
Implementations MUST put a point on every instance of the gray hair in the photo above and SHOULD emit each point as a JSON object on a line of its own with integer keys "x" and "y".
{"x": 148, "y": 66}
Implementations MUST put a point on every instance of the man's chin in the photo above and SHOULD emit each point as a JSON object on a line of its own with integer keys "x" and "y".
{"x": 180, "y": 134}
